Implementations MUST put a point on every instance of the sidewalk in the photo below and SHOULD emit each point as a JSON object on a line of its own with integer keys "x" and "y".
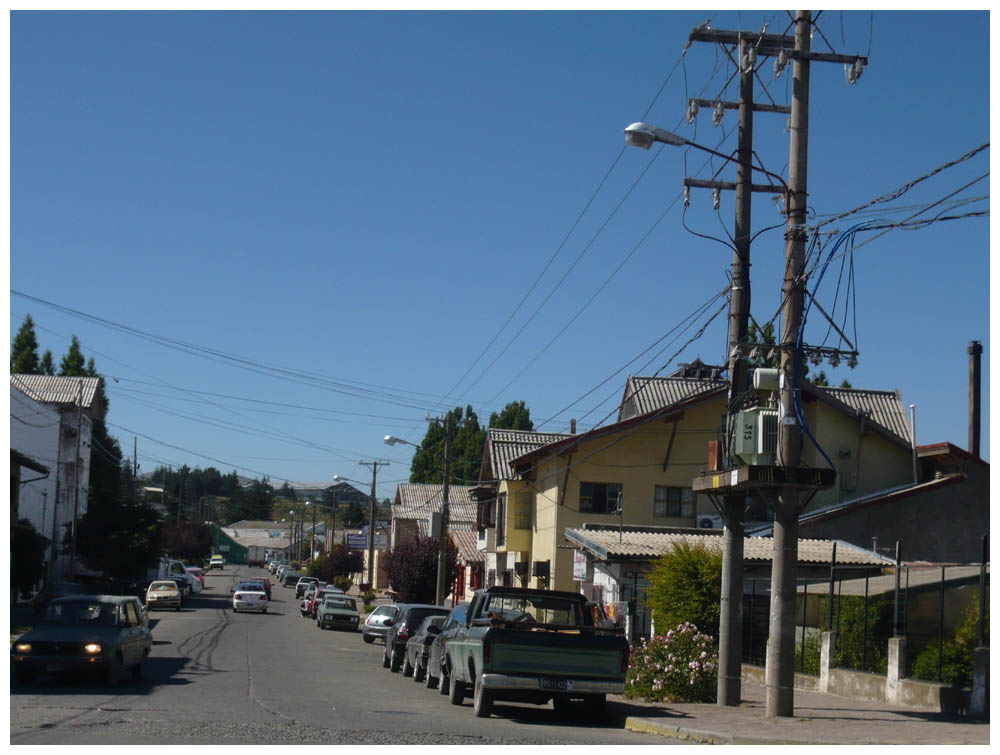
{"x": 819, "y": 719}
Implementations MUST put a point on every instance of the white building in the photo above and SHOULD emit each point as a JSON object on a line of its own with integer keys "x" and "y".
{"x": 51, "y": 422}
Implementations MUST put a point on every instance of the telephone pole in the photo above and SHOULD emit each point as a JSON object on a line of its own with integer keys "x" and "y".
{"x": 442, "y": 570}
{"x": 76, "y": 475}
{"x": 371, "y": 520}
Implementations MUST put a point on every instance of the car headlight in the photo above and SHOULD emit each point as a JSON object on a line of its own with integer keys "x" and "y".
{"x": 24, "y": 647}
{"x": 92, "y": 648}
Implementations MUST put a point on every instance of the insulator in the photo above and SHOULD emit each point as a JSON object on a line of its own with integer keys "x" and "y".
{"x": 852, "y": 361}
{"x": 692, "y": 111}
{"x": 687, "y": 196}
{"x": 716, "y": 198}
{"x": 755, "y": 353}
{"x": 719, "y": 112}
{"x": 816, "y": 358}
{"x": 779, "y": 202}
{"x": 771, "y": 353}
{"x": 835, "y": 359}
{"x": 749, "y": 59}
{"x": 779, "y": 63}
{"x": 854, "y": 71}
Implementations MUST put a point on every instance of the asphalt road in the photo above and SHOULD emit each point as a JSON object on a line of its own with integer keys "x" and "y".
{"x": 216, "y": 677}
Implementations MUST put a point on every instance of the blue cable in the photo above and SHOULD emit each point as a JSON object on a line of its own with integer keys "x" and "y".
{"x": 848, "y": 234}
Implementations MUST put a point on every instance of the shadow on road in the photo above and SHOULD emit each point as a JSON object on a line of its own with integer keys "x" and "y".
{"x": 158, "y": 672}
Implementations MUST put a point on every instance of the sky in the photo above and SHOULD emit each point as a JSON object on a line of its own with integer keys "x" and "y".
{"x": 284, "y": 236}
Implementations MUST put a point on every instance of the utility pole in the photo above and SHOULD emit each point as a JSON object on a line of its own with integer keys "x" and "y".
{"x": 371, "y": 519}
{"x": 135, "y": 466}
{"x": 442, "y": 570}
{"x": 312, "y": 534}
{"x": 76, "y": 476}
{"x": 780, "y": 669}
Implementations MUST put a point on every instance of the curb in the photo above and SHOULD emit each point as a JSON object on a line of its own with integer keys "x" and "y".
{"x": 658, "y": 728}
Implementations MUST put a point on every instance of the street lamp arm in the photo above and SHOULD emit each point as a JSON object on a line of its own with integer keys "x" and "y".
{"x": 392, "y": 440}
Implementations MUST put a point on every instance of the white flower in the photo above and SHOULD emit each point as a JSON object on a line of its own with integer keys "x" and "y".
{"x": 704, "y": 654}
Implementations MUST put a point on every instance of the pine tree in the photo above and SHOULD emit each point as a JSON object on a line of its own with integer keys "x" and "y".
{"x": 46, "y": 366}
{"x": 73, "y": 363}
{"x": 24, "y": 350}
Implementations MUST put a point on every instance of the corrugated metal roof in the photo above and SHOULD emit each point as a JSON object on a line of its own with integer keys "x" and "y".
{"x": 646, "y": 394}
{"x": 57, "y": 389}
{"x": 466, "y": 542}
{"x": 604, "y": 544}
{"x": 883, "y": 407}
{"x": 503, "y": 446}
{"x": 417, "y": 501}
{"x": 919, "y": 577}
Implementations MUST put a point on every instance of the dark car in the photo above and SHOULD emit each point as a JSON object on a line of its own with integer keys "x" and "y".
{"x": 378, "y": 622}
{"x": 182, "y": 585}
{"x": 418, "y": 646}
{"x": 88, "y": 633}
{"x": 455, "y": 620}
{"x": 54, "y": 590}
{"x": 404, "y": 627}
{"x": 264, "y": 581}
{"x": 290, "y": 578}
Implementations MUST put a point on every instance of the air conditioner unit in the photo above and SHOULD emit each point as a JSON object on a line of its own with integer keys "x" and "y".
{"x": 710, "y": 522}
{"x": 755, "y": 435}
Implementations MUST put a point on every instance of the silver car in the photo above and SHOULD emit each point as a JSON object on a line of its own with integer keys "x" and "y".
{"x": 378, "y": 622}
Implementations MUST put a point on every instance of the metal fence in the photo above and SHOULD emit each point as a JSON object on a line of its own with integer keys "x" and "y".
{"x": 940, "y": 609}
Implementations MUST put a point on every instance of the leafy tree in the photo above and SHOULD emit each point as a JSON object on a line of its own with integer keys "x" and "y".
{"x": 27, "y": 558}
{"x": 188, "y": 541}
{"x": 287, "y": 491}
{"x": 685, "y": 585}
{"x": 24, "y": 350}
{"x": 46, "y": 366}
{"x": 122, "y": 541}
{"x": 412, "y": 568}
{"x": 341, "y": 561}
{"x": 515, "y": 416}
{"x": 354, "y": 515}
{"x": 73, "y": 363}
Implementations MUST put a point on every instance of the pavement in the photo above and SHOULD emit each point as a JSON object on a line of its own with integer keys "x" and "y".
{"x": 819, "y": 719}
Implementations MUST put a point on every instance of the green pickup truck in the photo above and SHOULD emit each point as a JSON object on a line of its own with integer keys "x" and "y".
{"x": 533, "y": 646}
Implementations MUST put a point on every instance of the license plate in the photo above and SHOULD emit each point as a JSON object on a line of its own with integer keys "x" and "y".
{"x": 559, "y": 684}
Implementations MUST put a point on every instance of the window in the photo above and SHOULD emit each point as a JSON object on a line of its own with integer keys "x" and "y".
{"x": 522, "y": 510}
{"x": 131, "y": 616}
{"x": 501, "y": 518}
{"x": 599, "y": 497}
{"x": 673, "y": 502}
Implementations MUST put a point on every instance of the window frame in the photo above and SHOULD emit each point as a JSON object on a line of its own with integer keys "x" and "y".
{"x": 523, "y": 506}
{"x": 678, "y": 502}
{"x": 608, "y": 509}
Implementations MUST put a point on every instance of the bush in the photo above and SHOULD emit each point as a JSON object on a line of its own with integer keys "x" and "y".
{"x": 316, "y": 567}
{"x": 369, "y": 607}
{"x": 680, "y": 667}
{"x": 685, "y": 586}
{"x": 296, "y": 566}
{"x": 412, "y": 568}
{"x": 368, "y": 596}
{"x": 342, "y": 583}
{"x": 956, "y": 668}
{"x": 812, "y": 653}
{"x": 849, "y": 619}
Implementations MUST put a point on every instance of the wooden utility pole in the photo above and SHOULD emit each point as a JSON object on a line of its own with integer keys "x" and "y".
{"x": 76, "y": 476}
{"x": 442, "y": 570}
{"x": 371, "y": 520}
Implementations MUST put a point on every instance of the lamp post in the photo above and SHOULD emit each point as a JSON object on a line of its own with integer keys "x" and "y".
{"x": 442, "y": 567}
{"x": 371, "y": 515}
{"x": 291, "y": 532}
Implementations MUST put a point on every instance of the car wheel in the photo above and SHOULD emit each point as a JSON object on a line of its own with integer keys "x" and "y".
{"x": 177, "y": 608}
{"x": 23, "y": 675}
{"x": 482, "y": 699}
{"x": 264, "y": 611}
{"x": 595, "y": 705}
{"x": 407, "y": 667}
{"x": 562, "y": 705}
{"x": 394, "y": 663}
{"x": 443, "y": 683}
{"x": 419, "y": 673}
{"x": 138, "y": 669}
{"x": 385, "y": 661}
{"x": 368, "y": 639}
{"x": 113, "y": 673}
{"x": 457, "y": 692}
{"x": 432, "y": 681}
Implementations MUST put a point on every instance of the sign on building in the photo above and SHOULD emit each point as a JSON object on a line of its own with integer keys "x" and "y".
{"x": 360, "y": 542}
{"x": 580, "y": 565}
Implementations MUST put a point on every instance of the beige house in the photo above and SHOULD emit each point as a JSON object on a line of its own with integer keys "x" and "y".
{"x": 638, "y": 471}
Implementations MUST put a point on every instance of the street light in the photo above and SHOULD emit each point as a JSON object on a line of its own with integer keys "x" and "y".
{"x": 391, "y": 440}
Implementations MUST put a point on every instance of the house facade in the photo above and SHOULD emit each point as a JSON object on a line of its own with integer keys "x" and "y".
{"x": 51, "y": 422}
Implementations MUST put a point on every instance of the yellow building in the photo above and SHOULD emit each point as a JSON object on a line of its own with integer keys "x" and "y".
{"x": 638, "y": 471}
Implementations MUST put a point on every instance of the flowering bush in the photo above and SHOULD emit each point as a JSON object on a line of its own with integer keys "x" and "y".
{"x": 680, "y": 666}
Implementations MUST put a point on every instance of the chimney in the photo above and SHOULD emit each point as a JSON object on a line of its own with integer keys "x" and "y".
{"x": 975, "y": 379}
{"x": 572, "y": 427}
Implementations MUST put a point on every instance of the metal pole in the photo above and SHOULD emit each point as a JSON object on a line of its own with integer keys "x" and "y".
{"x": 442, "y": 570}
{"x": 371, "y": 521}
{"x": 753, "y": 607}
{"x": 982, "y": 594}
{"x": 975, "y": 392}
{"x": 941, "y": 625}
{"x": 913, "y": 439}
{"x": 895, "y": 598}
{"x": 833, "y": 569}
{"x": 731, "y": 603}
{"x": 76, "y": 475}
{"x": 312, "y": 535}
{"x": 864, "y": 633}
{"x": 805, "y": 599}
{"x": 780, "y": 670}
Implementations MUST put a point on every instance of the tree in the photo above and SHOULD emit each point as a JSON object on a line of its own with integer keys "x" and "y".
{"x": 46, "y": 367}
{"x": 24, "y": 350}
{"x": 768, "y": 354}
{"x": 73, "y": 363}
{"x": 341, "y": 561}
{"x": 515, "y": 416}
{"x": 686, "y": 585}
{"x": 354, "y": 515}
{"x": 287, "y": 491}
{"x": 121, "y": 541}
{"x": 188, "y": 541}
{"x": 412, "y": 568}
{"x": 27, "y": 558}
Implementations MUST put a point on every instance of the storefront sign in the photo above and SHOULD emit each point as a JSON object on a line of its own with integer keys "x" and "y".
{"x": 579, "y": 565}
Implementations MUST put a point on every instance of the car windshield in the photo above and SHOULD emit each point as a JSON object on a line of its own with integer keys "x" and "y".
{"x": 541, "y": 610}
{"x": 417, "y": 615}
{"x": 81, "y": 614}
{"x": 332, "y": 601}
{"x": 163, "y": 587}
{"x": 385, "y": 611}
{"x": 250, "y": 587}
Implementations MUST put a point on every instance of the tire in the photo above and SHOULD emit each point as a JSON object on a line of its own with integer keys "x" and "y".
{"x": 419, "y": 673}
{"x": 457, "y": 692}
{"x": 444, "y": 684}
{"x": 432, "y": 681}
{"x": 368, "y": 639}
{"x": 482, "y": 699}
{"x": 113, "y": 673}
{"x": 264, "y": 611}
{"x": 178, "y": 608}
{"x": 23, "y": 675}
{"x": 385, "y": 661}
{"x": 407, "y": 667}
{"x": 394, "y": 663}
{"x": 595, "y": 705}
{"x": 138, "y": 669}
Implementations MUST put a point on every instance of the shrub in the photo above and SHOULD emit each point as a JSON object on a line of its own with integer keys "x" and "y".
{"x": 369, "y": 607}
{"x": 316, "y": 567}
{"x": 412, "y": 568}
{"x": 296, "y": 566}
{"x": 342, "y": 583}
{"x": 368, "y": 596}
{"x": 680, "y": 666}
{"x": 956, "y": 668}
{"x": 849, "y": 620}
{"x": 685, "y": 586}
{"x": 812, "y": 653}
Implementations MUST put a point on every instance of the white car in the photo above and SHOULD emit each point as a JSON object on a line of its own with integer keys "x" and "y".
{"x": 217, "y": 562}
{"x": 249, "y": 596}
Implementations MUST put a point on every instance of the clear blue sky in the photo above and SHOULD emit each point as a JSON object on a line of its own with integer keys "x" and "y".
{"x": 366, "y": 197}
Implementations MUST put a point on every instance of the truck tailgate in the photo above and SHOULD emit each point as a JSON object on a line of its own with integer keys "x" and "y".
{"x": 539, "y": 653}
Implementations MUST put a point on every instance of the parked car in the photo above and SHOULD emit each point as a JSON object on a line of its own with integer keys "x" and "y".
{"x": 277, "y": 565}
{"x": 303, "y": 583}
{"x": 314, "y": 596}
{"x": 419, "y": 645}
{"x": 405, "y": 625}
{"x": 198, "y": 573}
{"x": 378, "y": 622}
{"x": 265, "y": 582}
{"x": 163, "y": 593}
{"x": 216, "y": 562}
{"x": 337, "y": 611}
{"x": 102, "y": 633}
{"x": 182, "y": 585}
{"x": 282, "y": 571}
{"x": 290, "y": 578}
{"x": 54, "y": 590}
{"x": 497, "y": 656}
{"x": 455, "y": 620}
{"x": 249, "y": 596}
